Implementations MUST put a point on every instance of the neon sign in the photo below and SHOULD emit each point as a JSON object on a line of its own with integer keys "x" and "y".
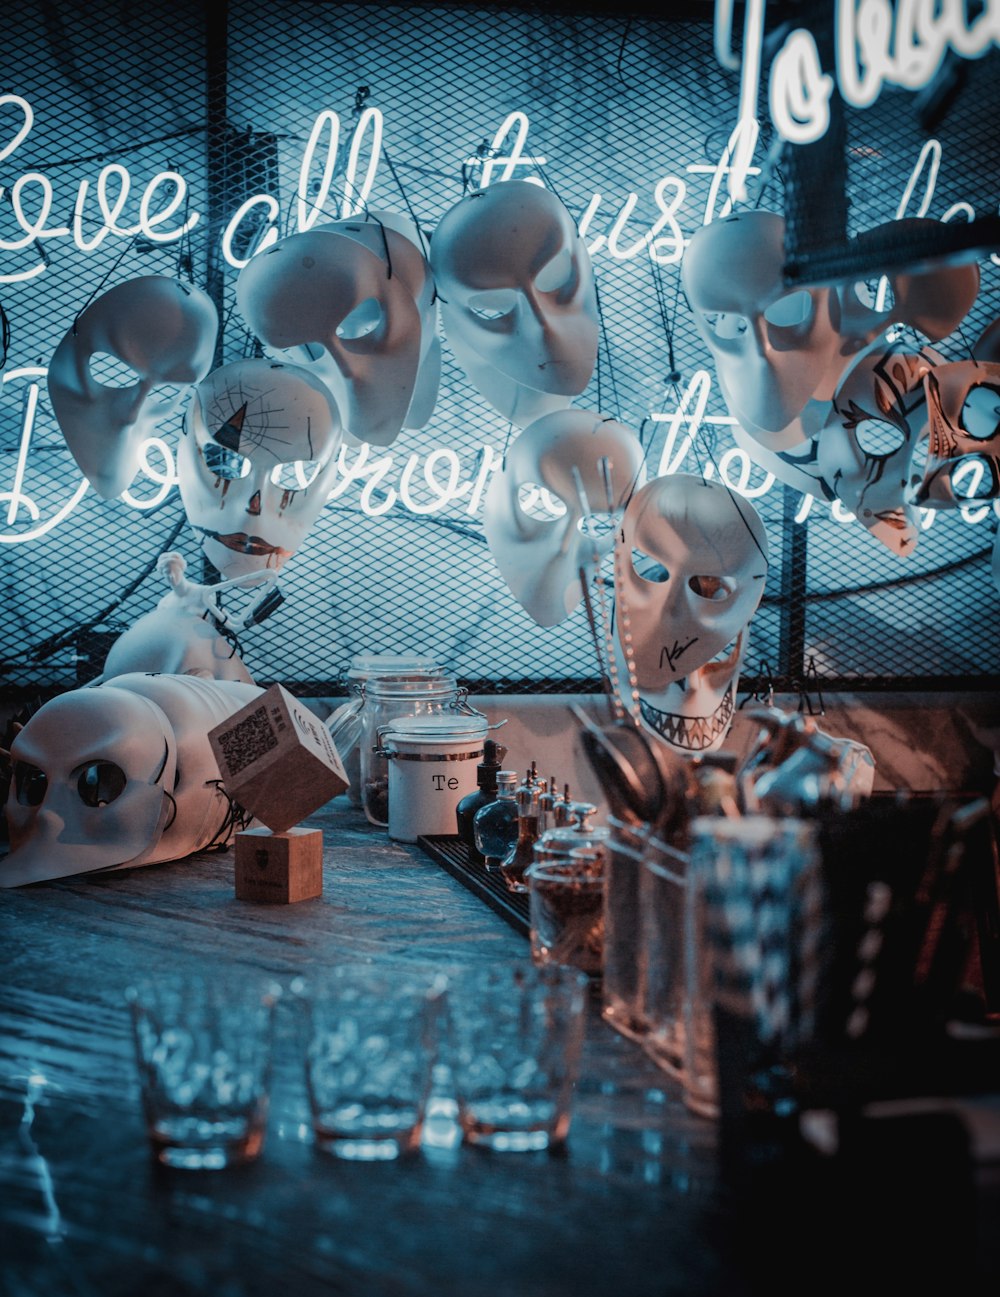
{"x": 429, "y": 482}
{"x": 876, "y": 43}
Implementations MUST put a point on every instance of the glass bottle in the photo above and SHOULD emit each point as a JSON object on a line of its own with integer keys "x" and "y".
{"x": 495, "y": 825}
{"x": 546, "y": 801}
{"x": 562, "y": 809}
{"x": 389, "y": 699}
{"x": 364, "y": 667}
{"x": 486, "y": 792}
{"x": 519, "y": 859}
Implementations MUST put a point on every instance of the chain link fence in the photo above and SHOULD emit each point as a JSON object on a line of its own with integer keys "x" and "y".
{"x": 625, "y": 117}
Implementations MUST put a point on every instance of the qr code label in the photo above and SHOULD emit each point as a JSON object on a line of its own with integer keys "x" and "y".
{"x": 247, "y": 740}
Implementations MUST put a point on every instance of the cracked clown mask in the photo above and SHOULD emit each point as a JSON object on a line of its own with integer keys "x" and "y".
{"x": 256, "y": 462}
{"x": 518, "y": 299}
{"x": 690, "y": 567}
{"x": 540, "y": 555}
{"x": 123, "y": 368}
{"x": 963, "y": 436}
{"x": 866, "y": 446}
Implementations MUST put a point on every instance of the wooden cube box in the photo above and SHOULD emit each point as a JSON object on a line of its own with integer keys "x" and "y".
{"x": 279, "y": 868}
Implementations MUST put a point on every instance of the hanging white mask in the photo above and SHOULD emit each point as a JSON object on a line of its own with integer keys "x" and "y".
{"x": 963, "y": 436}
{"x": 934, "y": 300}
{"x": 781, "y": 353}
{"x": 866, "y": 448}
{"x": 538, "y": 555}
{"x": 256, "y": 462}
{"x": 325, "y": 300}
{"x": 118, "y": 774}
{"x": 396, "y": 239}
{"x": 690, "y": 567}
{"x": 517, "y": 291}
{"x": 161, "y": 332}
{"x": 774, "y": 349}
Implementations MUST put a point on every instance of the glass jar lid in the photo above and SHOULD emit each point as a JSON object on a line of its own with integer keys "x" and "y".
{"x": 365, "y": 666}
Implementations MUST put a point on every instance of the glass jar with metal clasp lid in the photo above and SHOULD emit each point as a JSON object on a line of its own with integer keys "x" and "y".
{"x": 579, "y": 834}
{"x": 387, "y": 701}
{"x": 413, "y": 668}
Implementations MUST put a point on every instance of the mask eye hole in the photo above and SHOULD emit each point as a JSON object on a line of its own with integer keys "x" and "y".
{"x": 30, "y": 784}
{"x": 556, "y": 274}
{"x": 100, "y": 782}
{"x": 875, "y": 293}
{"x": 112, "y": 371}
{"x": 222, "y": 462}
{"x": 713, "y": 588}
{"x": 537, "y": 502}
{"x": 724, "y": 325}
{"x": 296, "y": 475}
{"x": 792, "y": 311}
{"x": 879, "y": 439}
{"x": 493, "y": 304}
{"x": 648, "y": 568}
{"x": 981, "y": 412}
{"x": 972, "y": 479}
{"x": 598, "y": 526}
{"x": 361, "y": 322}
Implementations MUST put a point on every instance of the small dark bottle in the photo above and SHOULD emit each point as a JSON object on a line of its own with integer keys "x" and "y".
{"x": 485, "y": 792}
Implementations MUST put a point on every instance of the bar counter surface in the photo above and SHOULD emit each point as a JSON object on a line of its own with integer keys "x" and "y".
{"x": 632, "y": 1206}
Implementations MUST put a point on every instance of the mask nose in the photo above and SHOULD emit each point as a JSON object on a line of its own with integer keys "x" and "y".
{"x": 253, "y": 508}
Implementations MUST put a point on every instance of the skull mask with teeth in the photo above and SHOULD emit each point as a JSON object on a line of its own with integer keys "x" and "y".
{"x": 690, "y": 568}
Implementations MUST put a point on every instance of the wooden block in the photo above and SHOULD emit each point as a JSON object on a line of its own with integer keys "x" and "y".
{"x": 277, "y": 759}
{"x": 279, "y": 868}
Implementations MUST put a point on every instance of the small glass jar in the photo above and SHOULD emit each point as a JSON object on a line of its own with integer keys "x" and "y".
{"x": 557, "y": 842}
{"x": 388, "y": 700}
{"x": 365, "y": 667}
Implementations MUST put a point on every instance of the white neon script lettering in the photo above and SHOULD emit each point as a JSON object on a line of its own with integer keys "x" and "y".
{"x": 16, "y": 499}
{"x": 877, "y": 43}
{"x": 312, "y": 195}
{"x": 34, "y": 189}
{"x": 493, "y": 155}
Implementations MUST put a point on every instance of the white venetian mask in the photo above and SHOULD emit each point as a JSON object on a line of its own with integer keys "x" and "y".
{"x": 324, "y": 299}
{"x": 518, "y": 299}
{"x": 780, "y": 353}
{"x": 396, "y": 240}
{"x": 690, "y": 567}
{"x": 148, "y": 339}
{"x": 256, "y": 462}
{"x": 540, "y": 555}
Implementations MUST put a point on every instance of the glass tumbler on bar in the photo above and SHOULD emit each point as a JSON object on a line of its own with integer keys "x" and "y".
{"x": 662, "y": 958}
{"x": 752, "y": 955}
{"x": 203, "y": 1049}
{"x": 624, "y": 975}
{"x": 566, "y": 910}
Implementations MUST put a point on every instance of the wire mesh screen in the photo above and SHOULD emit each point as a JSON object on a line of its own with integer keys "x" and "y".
{"x": 626, "y": 118}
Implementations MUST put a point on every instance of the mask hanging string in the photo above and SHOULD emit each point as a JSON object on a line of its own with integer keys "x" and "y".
{"x": 599, "y": 629}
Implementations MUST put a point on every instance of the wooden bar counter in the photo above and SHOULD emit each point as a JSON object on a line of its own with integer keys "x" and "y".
{"x": 631, "y": 1207}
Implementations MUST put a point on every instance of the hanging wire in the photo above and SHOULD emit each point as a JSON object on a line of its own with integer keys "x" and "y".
{"x": 124, "y": 253}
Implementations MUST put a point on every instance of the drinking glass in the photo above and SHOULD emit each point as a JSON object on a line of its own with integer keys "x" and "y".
{"x": 515, "y": 1039}
{"x": 370, "y": 1052}
{"x": 203, "y": 1048}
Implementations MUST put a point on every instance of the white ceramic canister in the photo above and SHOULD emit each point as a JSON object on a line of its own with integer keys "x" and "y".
{"x": 432, "y": 765}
